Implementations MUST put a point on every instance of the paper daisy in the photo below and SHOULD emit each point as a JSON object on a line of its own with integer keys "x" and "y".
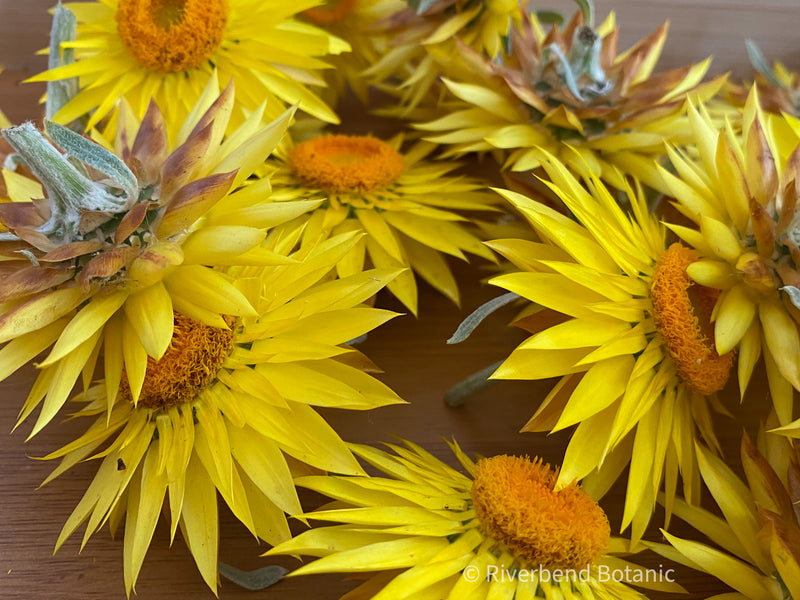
{"x": 617, "y": 318}
{"x": 409, "y": 207}
{"x": 757, "y": 550}
{"x": 741, "y": 196}
{"x": 501, "y": 530}
{"x": 221, "y": 409}
{"x": 119, "y": 244}
{"x": 421, "y": 36}
{"x": 166, "y": 50}
{"x": 570, "y": 90}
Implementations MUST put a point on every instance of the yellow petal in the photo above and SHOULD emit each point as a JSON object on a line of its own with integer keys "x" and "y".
{"x": 264, "y": 463}
{"x": 735, "y": 313}
{"x": 737, "y": 574}
{"x": 603, "y": 383}
{"x": 90, "y": 319}
{"x": 38, "y": 312}
{"x": 735, "y": 501}
{"x": 135, "y": 358}
{"x": 208, "y": 289}
{"x": 780, "y": 333}
{"x": 721, "y": 239}
{"x": 394, "y": 554}
{"x": 199, "y": 521}
{"x": 150, "y": 313}
{"x": 66, "y": 375}
{"x": 254, "y": 151}
{"x": 218, "y": 244}
{"x": 712, "y": 273}
{"x": 144, "y": 507}
{"x": 749, "y": 353}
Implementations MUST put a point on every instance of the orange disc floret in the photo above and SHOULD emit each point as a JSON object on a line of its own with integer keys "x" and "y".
{"x": 193, "y": 358}
{"x": 517, "y": 505}
{"x": 330, "y": 12}
{"x": 682, "y": 311}
{"x": 345, "y": 163}
{"x": 171, "y": 35}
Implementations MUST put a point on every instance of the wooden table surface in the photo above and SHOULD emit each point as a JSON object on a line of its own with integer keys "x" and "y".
{"x": 418, "y": 364}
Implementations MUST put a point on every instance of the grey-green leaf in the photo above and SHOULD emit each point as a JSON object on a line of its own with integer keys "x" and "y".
{"x": 96, "y": 156}
{"x": 475, "y": 318}
{"x": 760, "y": 64}
{"x": 471, "y": 385}
{"x": 63, "y": 29}
{"x": 253, "y": 580}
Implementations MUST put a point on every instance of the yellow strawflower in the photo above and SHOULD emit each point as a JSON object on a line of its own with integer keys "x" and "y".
{"x": 427, "y": 531}
{"x": 116, "y": 250}
{"x": 222, "y": 409}
{"x": 166, "y": 50}
{"x": 410, "y": 208}
{"x": 740, "y": 192}
{"x": 616, "y": 318}
{"x": 567, "y": 92}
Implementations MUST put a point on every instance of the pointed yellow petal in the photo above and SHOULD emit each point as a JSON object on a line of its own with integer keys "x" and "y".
{"x": 208, "y": 289}
{"x": 735, "y": 501}
{"x": 219, "y": 244}
{"x": 66, "y": 375}
{"x": 144, "y": 507}
{"x": 737, "y": 574}
{"x": 135, "y": 359}
{"x": 150, "y": 314}
{"x": 735, "y": 312}
{"x": 780, "y": 333}
{"x": 394, "y": 554}
{"x": 38, "y": 312}
{"x": 90, "y": 319}
{"x": 720, "y": 238}
{"x": 602, "y": 384}
{"x": 199, "y": 521}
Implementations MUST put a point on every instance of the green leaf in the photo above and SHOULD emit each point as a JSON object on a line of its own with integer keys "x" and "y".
{"x": 549, "y": 17}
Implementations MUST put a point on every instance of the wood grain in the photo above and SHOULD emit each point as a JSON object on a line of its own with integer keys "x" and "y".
{"x": 417, "y": 362}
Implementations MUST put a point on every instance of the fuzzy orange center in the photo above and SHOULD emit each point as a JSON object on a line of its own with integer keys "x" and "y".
{"x": 682, "y": 311}
{"x": 193, "y": 358}
{"x": 516, "y": 504}
{"x": 171, "y": 35}
{"x": 330, "y": 12}
{"x": 341, "y": 163}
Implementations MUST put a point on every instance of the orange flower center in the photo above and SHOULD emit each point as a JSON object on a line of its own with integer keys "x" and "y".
{"x": 516, "y": 504}
{"x": 330, "y": 12}
{"x": 682, "y": 311}
{"x": 171, "y": 35}
{"x": 345, "y": 163}
{"x": 193, "y": 358}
